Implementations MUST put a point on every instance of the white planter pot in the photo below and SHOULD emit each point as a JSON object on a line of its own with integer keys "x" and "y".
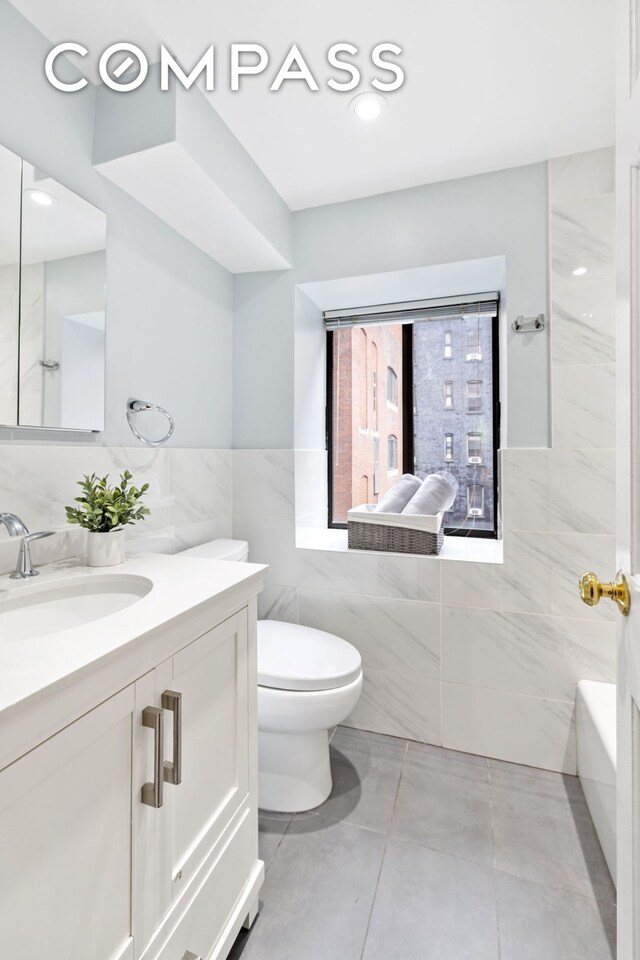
{"x": 105, "y": 549}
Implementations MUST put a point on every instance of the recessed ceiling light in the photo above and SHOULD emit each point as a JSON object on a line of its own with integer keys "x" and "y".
{"x": 368, "y": 106}
{"x": 579, "y": 271}
{"x": 41, "y": 198}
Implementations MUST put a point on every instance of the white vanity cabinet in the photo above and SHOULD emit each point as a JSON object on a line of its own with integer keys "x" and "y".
{"x": 65, "y": 841}
{"x": 132, "y": 832}
{"x": 205, "y": 834}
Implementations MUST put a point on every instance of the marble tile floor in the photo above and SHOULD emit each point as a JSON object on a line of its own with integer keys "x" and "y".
{"x": 422, "y": 853}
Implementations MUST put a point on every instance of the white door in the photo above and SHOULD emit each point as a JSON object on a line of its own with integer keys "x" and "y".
{"x": 628, "y": 471}
{"x": 65, "y": 837}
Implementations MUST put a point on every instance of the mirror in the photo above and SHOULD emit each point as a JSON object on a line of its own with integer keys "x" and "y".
{"x": 10, "y": 177}
{"x": 62, "y": 307}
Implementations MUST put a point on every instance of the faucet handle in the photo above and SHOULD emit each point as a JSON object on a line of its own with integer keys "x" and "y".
{"x": 39, "y": 535}
{"x": 24, "y": 568}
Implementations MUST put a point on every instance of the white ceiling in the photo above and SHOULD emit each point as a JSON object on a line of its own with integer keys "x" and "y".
{"x": 490, "y": 84}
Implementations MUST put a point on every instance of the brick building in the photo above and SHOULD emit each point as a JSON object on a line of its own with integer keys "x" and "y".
{"x": 453, "y": 413}
{"x": 367, "y": 415}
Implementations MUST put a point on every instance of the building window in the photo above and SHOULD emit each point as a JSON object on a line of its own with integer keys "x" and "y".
{"x": 392, "y": 387}
{"x": 474, "y": 396}
{"x": 392, "y": 445}
{"x": 374, "y": 385}
{"x": 361, "y": 357}
{"x": 474, "y": 448}
{"x": 448, "y": 394}
{"x": 448, "y": 346}
{"x": 448, "y": 447}
{"x": 475, "y": 501}
{"x": 474, "y": 344}
{"x": 438, "y": 421}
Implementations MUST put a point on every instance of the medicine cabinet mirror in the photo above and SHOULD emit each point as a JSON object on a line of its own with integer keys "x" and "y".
{"x": 52, "y": 302}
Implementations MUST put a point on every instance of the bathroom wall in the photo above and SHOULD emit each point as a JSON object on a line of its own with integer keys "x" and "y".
{"x": 169, "y": 306}
{"x": 502, "y": 214}
{"x": 190, "y": 493}
{"x": 478, "y": 655}
{"x": 169, "y": 336}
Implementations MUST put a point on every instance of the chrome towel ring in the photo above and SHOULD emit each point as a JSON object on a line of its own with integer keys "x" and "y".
{"x": 140, "y": 406}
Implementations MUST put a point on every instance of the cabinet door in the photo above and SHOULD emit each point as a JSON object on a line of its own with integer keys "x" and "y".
{"x": 65, "y": 837}
{"x": 211, "y": 676}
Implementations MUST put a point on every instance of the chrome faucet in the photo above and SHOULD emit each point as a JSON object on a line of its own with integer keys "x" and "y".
{"x": 17, "y": 528}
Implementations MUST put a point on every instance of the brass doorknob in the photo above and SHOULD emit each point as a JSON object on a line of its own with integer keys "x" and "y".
{"x": 591, "y": 589}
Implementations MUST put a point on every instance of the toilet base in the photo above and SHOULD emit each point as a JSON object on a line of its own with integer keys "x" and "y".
{"x": 294, "y": 770}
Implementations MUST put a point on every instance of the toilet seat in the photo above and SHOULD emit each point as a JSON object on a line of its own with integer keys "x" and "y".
{"x": 293, "y": 657}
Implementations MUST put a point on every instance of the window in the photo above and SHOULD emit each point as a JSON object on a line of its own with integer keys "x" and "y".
{"x": 432, "y": 420}
{"x": 448, "y": 347}
{"x": 474, "y": 344}
{"x": 392, "y": 445}
{"x": 474, "y": 396}
{"x": 475, "y": 500}
{"x": 448, "y": 447}
{"x": 392, "y": 387}
{"x": 361, "y": 354}
{"x": 374, "y": 386}
{"x": 474, "y": 448}
{"x": 448, "y": 394}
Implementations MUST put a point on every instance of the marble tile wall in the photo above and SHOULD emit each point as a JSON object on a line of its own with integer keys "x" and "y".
{"x": 480, "y": 657}
{"x": 189, "y": 496}
{"x": 9, "y": 297}
{"x": 32, "y": 343}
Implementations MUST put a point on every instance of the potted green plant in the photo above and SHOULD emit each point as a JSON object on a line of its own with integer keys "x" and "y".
{"x": 104, "y": 512}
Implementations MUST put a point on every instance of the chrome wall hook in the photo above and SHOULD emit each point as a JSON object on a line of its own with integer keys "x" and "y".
{"x": 523, "y": 324}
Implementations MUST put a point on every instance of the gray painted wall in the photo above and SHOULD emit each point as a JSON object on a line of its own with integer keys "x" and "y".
{"x": 169, "y": 306}
{"x": 503, "y": 213}
{"x": 497, "y": 214}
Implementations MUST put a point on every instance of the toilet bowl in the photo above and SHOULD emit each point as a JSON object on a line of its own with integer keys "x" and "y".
{"x": 308, "y": 682}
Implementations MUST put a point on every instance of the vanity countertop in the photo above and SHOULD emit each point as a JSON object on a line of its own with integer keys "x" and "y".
{"x": 41, "y": 667}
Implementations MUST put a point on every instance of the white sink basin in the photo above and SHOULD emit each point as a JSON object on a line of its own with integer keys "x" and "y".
{"x": 33, "y": 611}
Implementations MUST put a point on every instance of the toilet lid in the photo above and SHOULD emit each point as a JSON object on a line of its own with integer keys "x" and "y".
{"x": 292, "y": 657}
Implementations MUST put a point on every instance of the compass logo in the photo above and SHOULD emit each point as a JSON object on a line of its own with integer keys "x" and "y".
{"x": 125, "y": 67}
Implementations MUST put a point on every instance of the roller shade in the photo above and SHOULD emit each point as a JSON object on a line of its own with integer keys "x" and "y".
{"x": 477, "y": 304}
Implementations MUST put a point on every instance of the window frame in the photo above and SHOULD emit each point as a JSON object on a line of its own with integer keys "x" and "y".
{"x": 392, "y": 444}
{"x": 475, "y": 459}
{"x": 490, "y": 454}
{"x": 448, "y": 447}
{"x": 392, "y": 381}
{"x": 478, "y": 397}
{"x": 447, "y": 395}
{"x": 480, "y": 487}
{"x": 473, "y": 356}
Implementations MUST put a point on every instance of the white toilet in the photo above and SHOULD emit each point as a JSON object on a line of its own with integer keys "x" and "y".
{"x": 308, "y": 682}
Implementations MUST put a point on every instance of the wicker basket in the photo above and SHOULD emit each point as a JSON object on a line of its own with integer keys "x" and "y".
{"x": 393, "y": 532}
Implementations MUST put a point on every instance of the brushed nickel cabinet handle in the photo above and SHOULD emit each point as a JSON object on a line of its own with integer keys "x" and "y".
{"x": 171, "y": 700}
{"x": 153, "y": 717}
{"x": 191, "y": 956}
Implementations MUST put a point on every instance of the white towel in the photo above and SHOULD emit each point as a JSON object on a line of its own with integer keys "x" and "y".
{"x": 436, "y": 494}
{"x": 396, "y": 499}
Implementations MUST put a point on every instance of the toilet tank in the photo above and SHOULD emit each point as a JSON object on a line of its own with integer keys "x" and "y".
{"x": 220, "y": 550}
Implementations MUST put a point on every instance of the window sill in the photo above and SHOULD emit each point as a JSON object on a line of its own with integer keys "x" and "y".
{"x": 474, "y": 549}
